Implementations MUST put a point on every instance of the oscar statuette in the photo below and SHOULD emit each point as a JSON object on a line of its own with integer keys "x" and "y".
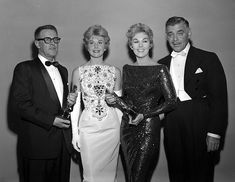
{"x": 69, "y": 107}
{"x": 122, "y": 105}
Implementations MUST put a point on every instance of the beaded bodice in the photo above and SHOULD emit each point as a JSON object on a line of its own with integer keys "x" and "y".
{"x": 95, "y": 79}
{"x": 148, "y": 89}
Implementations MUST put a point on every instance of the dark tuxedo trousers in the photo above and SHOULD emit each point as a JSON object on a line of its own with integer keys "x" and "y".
{"x": 186, "y": 127}
{"x": 37, "y": 103}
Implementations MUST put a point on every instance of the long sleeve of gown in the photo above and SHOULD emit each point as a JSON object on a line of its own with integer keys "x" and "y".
{"x": 168, "y": 92}
{"x": 123, "y": 106}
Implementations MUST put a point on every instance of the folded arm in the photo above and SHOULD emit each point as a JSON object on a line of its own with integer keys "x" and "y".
{"x": 169, "y": 94}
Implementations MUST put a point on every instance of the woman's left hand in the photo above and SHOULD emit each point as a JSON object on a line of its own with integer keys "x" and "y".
{"x": 110, "y": 99}
{"x": 137, "y": 120}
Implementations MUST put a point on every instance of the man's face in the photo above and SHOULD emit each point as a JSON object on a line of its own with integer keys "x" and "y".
{"x": 47, "y": 50}
{"x": 178, "y": 36}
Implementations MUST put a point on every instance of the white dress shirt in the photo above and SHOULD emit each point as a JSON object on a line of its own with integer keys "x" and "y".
{"x": 177, "y": 69}
{"x": 55, "y": 77}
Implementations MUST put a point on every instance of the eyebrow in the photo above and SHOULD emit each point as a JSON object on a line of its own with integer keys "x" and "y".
{"x": 181, "y": 30}
{"x": 142, "y": 39}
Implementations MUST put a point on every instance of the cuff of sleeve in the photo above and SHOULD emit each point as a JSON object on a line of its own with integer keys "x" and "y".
{"x": 213, "y": 135}
{"x": 118, "y": 92}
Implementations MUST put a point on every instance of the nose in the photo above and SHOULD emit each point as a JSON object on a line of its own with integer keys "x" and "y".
{"x": 140, "y": 44}
{"x": 96, "y": 45}
{"x": 175, "y": 37}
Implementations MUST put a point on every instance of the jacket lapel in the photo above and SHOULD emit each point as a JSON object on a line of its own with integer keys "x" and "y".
{"x": 49, "y": 83}
{"x": 190, "y": 65}
{"x": 64, "y": 77}
{"x": 166, "y": 61}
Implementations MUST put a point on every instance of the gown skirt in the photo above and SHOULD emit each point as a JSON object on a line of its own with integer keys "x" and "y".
{"x": 99, "y": 142}
{"x": 140, "y": 146}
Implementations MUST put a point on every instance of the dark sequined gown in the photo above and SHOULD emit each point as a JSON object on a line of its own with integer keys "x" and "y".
{"x": 149, "y": 90}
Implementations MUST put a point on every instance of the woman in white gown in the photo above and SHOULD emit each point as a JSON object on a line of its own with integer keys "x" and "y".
{"x": 96, "y": 129}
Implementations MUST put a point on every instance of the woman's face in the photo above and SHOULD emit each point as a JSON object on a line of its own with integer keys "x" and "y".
{"x": 141, "y": 45}
{"x": 96, "y": 46}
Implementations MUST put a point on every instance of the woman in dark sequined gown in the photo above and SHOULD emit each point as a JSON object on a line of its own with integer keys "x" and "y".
{"x": 148, "y": 89}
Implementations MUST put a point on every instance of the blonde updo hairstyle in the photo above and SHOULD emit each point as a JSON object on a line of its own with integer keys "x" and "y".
{"x": 96, "y": 30}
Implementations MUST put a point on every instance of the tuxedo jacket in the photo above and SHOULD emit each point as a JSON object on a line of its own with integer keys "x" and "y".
{"x": 36, "y": 100}
{"x": 204, "y": 80}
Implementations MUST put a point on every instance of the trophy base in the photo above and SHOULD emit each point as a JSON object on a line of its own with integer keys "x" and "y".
{"x": 133, "y": 114}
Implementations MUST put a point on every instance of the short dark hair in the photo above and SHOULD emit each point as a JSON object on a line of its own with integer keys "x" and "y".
{"x": 44, "y": 27}
{"x": 176, "y": 20}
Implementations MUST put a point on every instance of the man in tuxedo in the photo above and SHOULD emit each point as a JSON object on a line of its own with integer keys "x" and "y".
{"x": 40, "y": 91}
{"x": 194, "y": 132}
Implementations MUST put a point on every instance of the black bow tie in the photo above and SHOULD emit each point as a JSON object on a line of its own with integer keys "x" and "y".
{"x": 54, "y": 63}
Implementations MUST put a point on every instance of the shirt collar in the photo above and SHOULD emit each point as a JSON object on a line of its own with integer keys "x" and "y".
{"x": 43, "y": 59}
{"x": 182, "y": 53}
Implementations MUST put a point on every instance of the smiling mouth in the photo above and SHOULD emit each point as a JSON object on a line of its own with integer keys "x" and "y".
{"x": 96, "y": 51}
{"x": 176, "y": 44}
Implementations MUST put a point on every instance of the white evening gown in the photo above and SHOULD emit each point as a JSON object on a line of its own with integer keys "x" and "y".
{"x": 99, "y": 125}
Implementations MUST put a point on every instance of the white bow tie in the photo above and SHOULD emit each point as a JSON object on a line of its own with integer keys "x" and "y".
{"x": 174, "y": 54}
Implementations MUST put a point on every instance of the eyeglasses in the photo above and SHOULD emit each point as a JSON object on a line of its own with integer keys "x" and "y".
{"x": 48, "y": 40}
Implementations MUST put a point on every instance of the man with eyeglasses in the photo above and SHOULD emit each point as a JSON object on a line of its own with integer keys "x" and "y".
{"x": 40, "y": 91}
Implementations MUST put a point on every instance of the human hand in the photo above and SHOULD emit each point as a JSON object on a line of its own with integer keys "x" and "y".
{"x": 110, "y": 99}
{"x": 76, "y": 146}
{"x": 72, "y": 97}
{"x": 75, "y": 141}
{"x": 212, "y": 143}
{"x": 61, "y": 123}
{"x": 137, "y": 120}
{"x": 161, "y": 116}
